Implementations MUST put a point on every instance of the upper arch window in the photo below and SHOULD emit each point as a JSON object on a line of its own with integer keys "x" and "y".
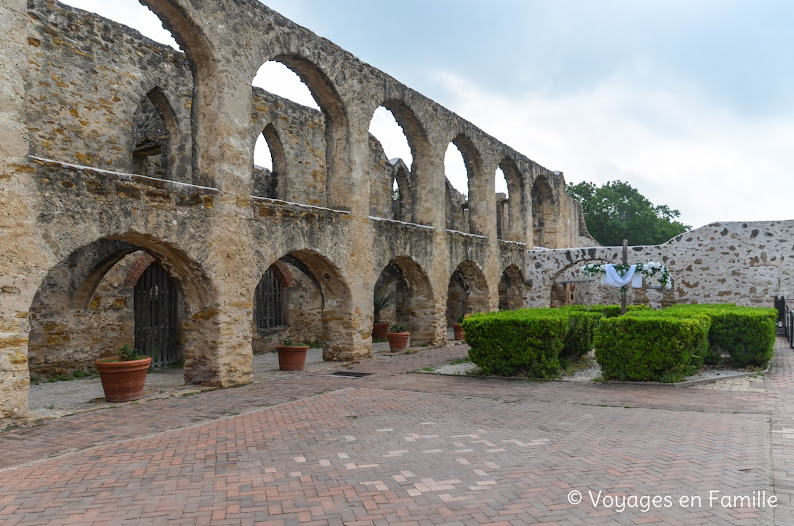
{"x": 314, "y": 142}
{"x": 131, "y": 14}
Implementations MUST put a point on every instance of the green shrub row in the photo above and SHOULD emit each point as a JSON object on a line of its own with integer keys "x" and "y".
{"x": 651, "y": 346}
{"x": 516, "y": 343}
{"x": 745, "y": 334}
{"x": 644, "y": 345}
{"x": 532, "y": 342}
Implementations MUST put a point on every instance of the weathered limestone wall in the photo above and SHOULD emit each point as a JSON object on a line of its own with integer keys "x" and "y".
{"x": 72, "y": 87}
{"x": 747, "y": 263}
{"x": 21, "y": 263}
{"x": 88, "y": 77}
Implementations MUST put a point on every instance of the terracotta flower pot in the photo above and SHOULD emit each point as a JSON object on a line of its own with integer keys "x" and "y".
{"x": 457, "y": 331}
{"x": 291, "y": 357}
{"x": 398, "y": 341}
{"x": 122, "y": 381}
{"x": 379, "y": 330}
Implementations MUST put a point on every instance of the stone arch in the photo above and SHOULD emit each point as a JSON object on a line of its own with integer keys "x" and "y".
{"x": 516, "y": 202}
{"x": 155, "y": 134}
{"x": 414, "y": 305}
{"x": 467, "y": 292}
{"x": 511, "y": 289}
{"x": 337, "y": 147}
{"x": 480, "y": 191}
{"x": 270, "y": 183}
{"x": 72, "y": 313}
{"x": 419, "y": 175}
{"x": 192, "y": 39}
{"x": 544, "y": 214}
{"x": 332, "y": 297}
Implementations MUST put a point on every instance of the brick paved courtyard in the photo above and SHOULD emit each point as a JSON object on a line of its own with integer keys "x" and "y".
{"x": 398, "y": 448}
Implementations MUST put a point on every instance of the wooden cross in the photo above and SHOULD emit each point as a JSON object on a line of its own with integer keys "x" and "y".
{"x": 625, "y": 262}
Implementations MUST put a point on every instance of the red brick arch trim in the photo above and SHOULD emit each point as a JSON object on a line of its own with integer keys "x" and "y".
{"x": 137, "y": 268}
{"x": 284, "y": 274}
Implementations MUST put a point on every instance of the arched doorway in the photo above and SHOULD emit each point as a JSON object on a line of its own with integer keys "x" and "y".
{"x": 467, "y": 292}
{"x": 511, "y": 289}
{"x": 406, "y": 282}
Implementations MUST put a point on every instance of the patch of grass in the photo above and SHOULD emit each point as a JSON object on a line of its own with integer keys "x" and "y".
{"x": 315, "y": 344}
{"x": 410, "y": 352}
{"x": 176, "y": 365}
{"x": 79, "y": 373}
{"x": 460, "y": 361}
{"x": 380, "y": 340}
{"x": 427, "y": 370}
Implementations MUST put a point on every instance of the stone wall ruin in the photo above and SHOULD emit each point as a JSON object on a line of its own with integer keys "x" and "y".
{"x": 114, "y": 146}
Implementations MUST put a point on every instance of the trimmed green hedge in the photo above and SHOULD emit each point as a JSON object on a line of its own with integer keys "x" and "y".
{"x": 645, "y": 344}
{"x": 746, "y": 334}
{"x": 649, "y": 346}
{"x": 522, "y": 342}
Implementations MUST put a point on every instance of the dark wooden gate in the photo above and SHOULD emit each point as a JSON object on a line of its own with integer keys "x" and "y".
{"x": 269, "y": 302}
{"x": 155, "y": 316}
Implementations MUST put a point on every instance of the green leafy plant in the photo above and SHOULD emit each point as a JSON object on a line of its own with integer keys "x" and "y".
{"x": 128, "y": 354}
{"x": 382, "y": 299}
{"x": 398, "y": 327}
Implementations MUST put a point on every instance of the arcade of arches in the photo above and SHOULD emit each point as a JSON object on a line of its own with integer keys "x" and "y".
{"x": 132, "y": 210}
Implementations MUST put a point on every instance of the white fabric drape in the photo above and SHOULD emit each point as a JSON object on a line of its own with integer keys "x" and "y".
{"x": 612, "y": 278}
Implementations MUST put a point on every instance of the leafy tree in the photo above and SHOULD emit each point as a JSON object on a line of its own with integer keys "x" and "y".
{"x": 617, "y": 211}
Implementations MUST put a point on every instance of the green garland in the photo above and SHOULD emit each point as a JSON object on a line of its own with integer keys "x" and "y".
{"x": 648, "y": 270}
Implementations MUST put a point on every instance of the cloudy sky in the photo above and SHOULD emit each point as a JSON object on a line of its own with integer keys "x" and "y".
{"x": 690, "y": 102}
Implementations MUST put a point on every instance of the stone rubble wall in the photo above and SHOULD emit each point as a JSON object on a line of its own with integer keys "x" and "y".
{"x": 747, "y": 263}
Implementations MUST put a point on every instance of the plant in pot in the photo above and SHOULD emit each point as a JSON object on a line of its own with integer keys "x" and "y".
{"x": 291, "y": 355}
{"x": 382, "y": 299}
{"x": 398, "y": 336}
{"x": 123, "y": 376}
{"x": 457, "y": 329}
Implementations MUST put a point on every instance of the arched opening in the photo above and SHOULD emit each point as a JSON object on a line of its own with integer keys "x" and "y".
{"x": 502, "y": 205}
{"x": 131, "y": 14}
{"x": 317, "y": 178}
{"x": 513, "y": 214}
{"x": 544, "y": 214}
{"x": 457, "y": 190}
{"x": 154, "y": 129}
{"x": 389, "y": 151}
{"x": 303, "y": 296}
{"x": 400, "y": 148}
{"x": 131, "y": 290}
{"x": 411, "y": 298}
{"x": 269, "y": 165}
{"x": 467, "y": 205}
{"x": 467, "y": 292}
{"x": 511, "y": 289}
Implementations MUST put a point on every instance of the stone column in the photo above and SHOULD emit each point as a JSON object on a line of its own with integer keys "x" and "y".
{"x": 21, "y": 265}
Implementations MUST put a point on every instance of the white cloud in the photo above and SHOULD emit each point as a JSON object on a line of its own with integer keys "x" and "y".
{"x": 675, "y": 145}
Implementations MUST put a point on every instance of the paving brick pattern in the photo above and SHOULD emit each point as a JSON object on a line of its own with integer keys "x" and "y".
{"x": 397, "y": 448}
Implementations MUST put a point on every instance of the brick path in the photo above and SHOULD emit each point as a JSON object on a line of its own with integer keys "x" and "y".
{"x": 396, "y": 448}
